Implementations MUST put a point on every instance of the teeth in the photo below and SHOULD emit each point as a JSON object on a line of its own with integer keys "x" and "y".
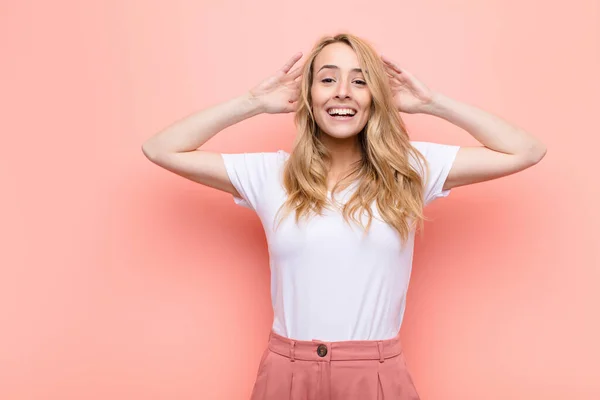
{"x": 341, "y": 111}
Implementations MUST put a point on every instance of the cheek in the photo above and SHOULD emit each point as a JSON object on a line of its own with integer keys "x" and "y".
{"x": 368, "y": 103}
{"x": 317, "y": 96}
{"x": 366, "y": 108}
{"x": 367, "y": 112}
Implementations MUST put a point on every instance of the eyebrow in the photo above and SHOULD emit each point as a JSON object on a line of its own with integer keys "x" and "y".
{"x": 336, "y": 67}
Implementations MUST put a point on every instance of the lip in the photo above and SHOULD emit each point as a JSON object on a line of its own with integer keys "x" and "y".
{"x": 344, "y": 119}
{"x": 351, "y": 108}
{"x": 341, "y": 119}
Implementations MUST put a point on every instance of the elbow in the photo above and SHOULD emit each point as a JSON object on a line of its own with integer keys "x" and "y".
{"x": 148, "y": 152}
{"x": 537, "y": 152}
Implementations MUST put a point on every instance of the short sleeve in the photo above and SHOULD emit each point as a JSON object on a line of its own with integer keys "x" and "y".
{"x": 440, "y": 158}
{"x": 253, "y": 175}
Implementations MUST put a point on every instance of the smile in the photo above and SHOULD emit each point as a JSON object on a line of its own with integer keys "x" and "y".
{"x": 341, "y": 111}
{"x": 341, "y": 114}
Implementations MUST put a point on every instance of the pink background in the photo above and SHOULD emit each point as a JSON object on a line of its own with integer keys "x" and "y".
{"x": 120, "y": 280}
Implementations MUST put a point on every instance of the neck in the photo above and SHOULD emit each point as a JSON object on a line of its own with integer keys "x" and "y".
{"x": 345, "y": 153}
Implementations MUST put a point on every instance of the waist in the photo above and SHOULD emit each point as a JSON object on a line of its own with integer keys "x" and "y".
{"x": 319, "y": 350}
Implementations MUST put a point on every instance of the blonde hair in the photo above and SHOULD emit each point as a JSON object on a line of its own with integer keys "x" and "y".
{"x": 384, "y": 174}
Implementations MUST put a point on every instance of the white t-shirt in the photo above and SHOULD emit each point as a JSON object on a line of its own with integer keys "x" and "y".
{"x": 329, "y": 281}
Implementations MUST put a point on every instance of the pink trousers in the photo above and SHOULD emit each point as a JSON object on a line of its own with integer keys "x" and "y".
{"x": 344, "y": 370}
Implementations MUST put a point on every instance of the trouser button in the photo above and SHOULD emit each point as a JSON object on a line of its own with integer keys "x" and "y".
{"x": 322, "y": 350}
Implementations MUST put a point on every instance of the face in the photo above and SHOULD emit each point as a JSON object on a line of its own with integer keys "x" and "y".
{"x": 341, "y": 100}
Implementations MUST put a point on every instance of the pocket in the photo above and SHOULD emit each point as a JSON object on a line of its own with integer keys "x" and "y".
{"x": 266, "y": 363}
{"x": 260, "y": 383}
{"x": 263, "y": 359}
{"x": 407, "y": 385}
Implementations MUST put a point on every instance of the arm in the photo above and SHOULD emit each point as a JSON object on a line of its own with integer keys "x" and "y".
{"x": 176, "y": 147}
{"x": 506, "y": 149}
{"x": 193, "y": 131}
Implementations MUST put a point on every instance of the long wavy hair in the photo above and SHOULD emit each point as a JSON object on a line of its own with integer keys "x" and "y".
{"x": 384, "y": 174}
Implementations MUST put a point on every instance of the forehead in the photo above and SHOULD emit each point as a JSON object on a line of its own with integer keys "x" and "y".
{"x": 339, "y": 54}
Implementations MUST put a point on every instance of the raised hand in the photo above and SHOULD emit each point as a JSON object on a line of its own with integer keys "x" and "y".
{"x": 279, "y": 93}
{"x": 410, "y": 94}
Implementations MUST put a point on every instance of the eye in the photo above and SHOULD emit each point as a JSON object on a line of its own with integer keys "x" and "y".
{"x": 328, "y": 80}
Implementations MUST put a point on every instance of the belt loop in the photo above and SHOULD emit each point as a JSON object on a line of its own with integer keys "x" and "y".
{"x": 380, "y": 348}
{"x": 292, "y": 355}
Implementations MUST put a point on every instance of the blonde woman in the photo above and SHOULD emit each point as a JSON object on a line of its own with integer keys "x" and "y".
{"x": 341, "y": 210}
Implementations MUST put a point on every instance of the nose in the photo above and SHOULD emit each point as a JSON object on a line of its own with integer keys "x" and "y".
{"x": 342, "y": 90}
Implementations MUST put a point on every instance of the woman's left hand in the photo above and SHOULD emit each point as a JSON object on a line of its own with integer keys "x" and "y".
{"x": 410, "y": 95}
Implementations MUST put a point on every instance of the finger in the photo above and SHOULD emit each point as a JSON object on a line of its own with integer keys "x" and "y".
{"x": 392, "y": 64}
{"x": 403, "y": 73}
{"x": 397, "y": 73}
{"x": 389, "y": 69}
{"x": 386, "y": 60}
{"x": 295, "y": 73}
{"x": 389, "y": 65}
{"x": 394, "y": 67}
{"x": 392, "y": 73}
{"x": 288, "y": 65}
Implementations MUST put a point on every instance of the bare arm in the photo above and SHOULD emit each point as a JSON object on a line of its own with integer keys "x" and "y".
{"x": 176, "y": 147}
{"x": 196, "y": 129}
{"x": 506, "y": 149}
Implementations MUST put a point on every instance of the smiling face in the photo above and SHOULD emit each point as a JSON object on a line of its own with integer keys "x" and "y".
{"x": 341, "y": 100}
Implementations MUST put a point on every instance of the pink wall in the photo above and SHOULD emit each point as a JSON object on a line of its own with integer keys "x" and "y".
{"x": 120, "y": 280}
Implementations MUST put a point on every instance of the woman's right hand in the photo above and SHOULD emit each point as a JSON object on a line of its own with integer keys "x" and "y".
{"x": 279, "y": 93}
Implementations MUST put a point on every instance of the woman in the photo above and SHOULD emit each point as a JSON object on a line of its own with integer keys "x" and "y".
{"x": 340, "y": 212}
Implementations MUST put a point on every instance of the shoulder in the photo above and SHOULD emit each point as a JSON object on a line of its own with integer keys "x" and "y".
{"x": 282, "y": 155}
{"x": 427, "y": 149}
{"x": 274, "y": 157}
{"x": 436, "y": 153}
{"x": 422, "y": 149}
{"x": 255, "y": 175}
{"x": 439, "y": 159}
{"x": 274, "y": 160}
{"x": 256, "y": 160}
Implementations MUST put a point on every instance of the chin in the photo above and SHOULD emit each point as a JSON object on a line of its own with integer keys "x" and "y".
{"x": 341, "y": 135}
{"x": 343, "y": 129}
{"x": 341, "y": 132}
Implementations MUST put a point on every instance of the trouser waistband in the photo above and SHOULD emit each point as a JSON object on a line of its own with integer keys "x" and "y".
{"x": 318, "y": 350}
